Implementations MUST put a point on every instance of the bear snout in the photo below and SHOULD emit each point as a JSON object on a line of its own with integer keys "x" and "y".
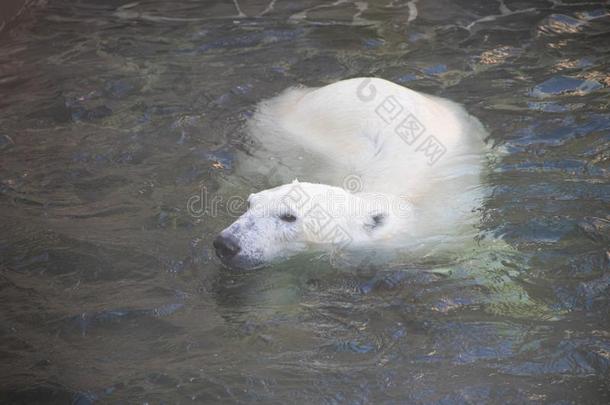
{"x": 226, "y": 246}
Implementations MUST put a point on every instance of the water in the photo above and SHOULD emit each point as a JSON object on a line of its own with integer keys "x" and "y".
{"x": 113, "y": 114}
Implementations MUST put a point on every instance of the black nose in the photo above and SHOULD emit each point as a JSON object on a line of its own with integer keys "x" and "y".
{"x": 226, "y": 246}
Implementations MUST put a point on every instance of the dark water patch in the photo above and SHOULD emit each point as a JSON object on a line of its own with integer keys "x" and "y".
{"x": 119, "y": 88}
{"x": 95, "y": 188}
{"x": 560, "y": 85}
{"x": 478, "y": 342}
{"x": 568, "y": 358}
{"x": 596, "y": 229}
{"x": 5, "y": 142}
{"x": 557, "y": 131}
{"x": 89, "y": 322}
{"x": 55, "y": 111}
{"x": 82, "y": 114}
{"x": 39, "y": 394}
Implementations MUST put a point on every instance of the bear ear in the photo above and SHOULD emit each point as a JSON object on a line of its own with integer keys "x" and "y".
{"x": 295, "y": 181}
{"x": 253, "y": 198}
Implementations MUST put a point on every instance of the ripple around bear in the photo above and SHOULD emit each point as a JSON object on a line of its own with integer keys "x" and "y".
{"x": 410, "y": 166}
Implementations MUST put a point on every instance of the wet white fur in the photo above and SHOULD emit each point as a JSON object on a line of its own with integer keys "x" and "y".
{"x": 323, "y": 135}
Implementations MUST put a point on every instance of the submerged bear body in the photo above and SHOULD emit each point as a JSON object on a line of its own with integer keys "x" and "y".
{"x": 381, "y": 166}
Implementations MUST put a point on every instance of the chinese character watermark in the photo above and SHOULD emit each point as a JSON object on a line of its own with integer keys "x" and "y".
{"x": 406, "y": 124}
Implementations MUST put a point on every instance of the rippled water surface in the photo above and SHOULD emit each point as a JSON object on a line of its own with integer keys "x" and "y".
{"x": 114, "y": 113}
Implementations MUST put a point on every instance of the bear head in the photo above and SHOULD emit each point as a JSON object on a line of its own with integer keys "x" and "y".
{"x": 297, "y": 217}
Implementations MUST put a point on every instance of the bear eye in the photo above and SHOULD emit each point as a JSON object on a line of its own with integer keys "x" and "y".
{"x": 288, "y": 217}
{"x": 376, "y": 221}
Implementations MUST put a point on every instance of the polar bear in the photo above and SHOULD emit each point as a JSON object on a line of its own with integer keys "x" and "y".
{"x": 385, "y": 167}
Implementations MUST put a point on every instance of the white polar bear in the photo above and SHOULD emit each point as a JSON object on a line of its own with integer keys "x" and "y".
{"x": 389, "y": 167}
